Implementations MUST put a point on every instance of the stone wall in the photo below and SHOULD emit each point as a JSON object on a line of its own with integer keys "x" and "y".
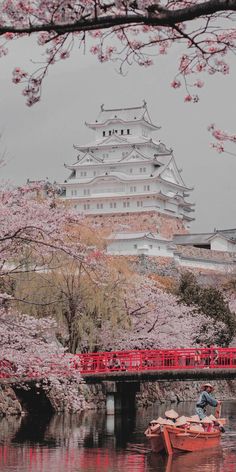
{"x": 9, "y": 403}
{"x": 179, "y": 391}
{"x": 93, "y": 396}
{"x": 149, "y": 221}
{"x": 161, "y": 392}
{"x": 204, "y": 254}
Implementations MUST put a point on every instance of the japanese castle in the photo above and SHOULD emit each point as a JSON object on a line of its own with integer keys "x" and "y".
{"x": 126, "y": 170}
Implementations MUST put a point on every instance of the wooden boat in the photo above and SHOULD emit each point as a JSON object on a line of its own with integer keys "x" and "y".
{"x": 179, "y": 439}
{"x": 172, "y": 439}
{"x": 156, "y": 440}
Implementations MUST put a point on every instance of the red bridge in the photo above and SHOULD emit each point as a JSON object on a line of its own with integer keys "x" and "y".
{"x": 158, "y": 361}
{"x": 213, "y": 362}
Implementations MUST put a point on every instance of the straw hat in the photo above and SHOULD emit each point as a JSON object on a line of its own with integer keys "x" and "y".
{"x": 194, "y": 419}
{"x": 171, "y": 414}
{"x": 181, "y": 421}
{"x": 196, "y": 428}
{"x": 206, "y": 420}
{"x": 208, "y": 385}
{"x": 152, "y": 422}
{"x": 164, "y": 421}
{"x": 155, "y": 428}
{"x": 212, "y": 418}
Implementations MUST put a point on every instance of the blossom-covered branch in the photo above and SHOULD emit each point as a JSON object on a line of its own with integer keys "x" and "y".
{"x": 221, "y": 138}
{"x": 123, "y": 30}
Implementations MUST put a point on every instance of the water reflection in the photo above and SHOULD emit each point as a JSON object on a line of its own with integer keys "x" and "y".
{"x": 92, "y": 442}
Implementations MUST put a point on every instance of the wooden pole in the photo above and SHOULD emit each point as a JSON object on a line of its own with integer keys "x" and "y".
{"x": 167, "y": 442}
{"x": 218, "y": 411}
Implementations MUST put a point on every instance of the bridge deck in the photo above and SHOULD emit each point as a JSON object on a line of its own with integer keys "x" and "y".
{"x": 194, "y": 363}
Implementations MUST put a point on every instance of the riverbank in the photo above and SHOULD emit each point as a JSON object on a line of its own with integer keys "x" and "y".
{"x": 18, "y": 401}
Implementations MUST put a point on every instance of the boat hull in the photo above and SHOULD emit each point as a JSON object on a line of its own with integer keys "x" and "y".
{"x": 156, "y": 441}
{"x": 189, "y": 441}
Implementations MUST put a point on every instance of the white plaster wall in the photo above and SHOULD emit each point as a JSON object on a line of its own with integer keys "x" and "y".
{"x": 139, "y": 246}
{"x": 220, "y": 244}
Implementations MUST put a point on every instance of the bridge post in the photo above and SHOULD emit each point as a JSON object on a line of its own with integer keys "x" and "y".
{"x": 110, "y": 403}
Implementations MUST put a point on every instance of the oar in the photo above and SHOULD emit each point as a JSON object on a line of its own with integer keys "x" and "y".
{"x": 218, "y": 411}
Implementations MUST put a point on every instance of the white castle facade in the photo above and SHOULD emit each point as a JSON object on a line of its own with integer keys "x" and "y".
{"x": 125, "y": 169}
{"x": 128, "y": 182}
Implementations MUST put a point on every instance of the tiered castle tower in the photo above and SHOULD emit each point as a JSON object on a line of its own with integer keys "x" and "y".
{"x": 125, "y": 171}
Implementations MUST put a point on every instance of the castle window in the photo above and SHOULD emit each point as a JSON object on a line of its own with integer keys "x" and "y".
{"x": 133, "y": 189}
{"x": 126, "y": 204}
{"x": 146, "y": 188}
{"x": 139, "y": 203}
{"x": 113, "y": 205}
{"x": 109, "y": 132}
{"x": 131, "y": 170}
{"x": 104, "y": 133}
{"x": 121, "y": 131}
{"x": 128, "y": 131}
{"x": 86, "y": 206}
{"x": 86, "y": 191}
{"x": 135, "y": 246}
{"x": 83, "y": 173}
{"x": 73, "y": 192}
{"x": 99, "y": 206}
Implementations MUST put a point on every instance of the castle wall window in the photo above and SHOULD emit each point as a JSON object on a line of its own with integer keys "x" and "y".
{"x": 133, "y": 189}
{"x": 131, "y": 170}
{"x": 121, "y": 131}
{"x": 128, "y": 131}
{"x": 139, "y": 203}
{"x": 86, "y": 206}
{"x": 109, "y": 132}
{"x": 104, "y": 133}
{"x": 135, "y": 246}
{"x": 86, "y": 191}
{"x": 83, "y": 173}
{"x": 113, "y": 205}
{"x": 126, "y": 204}
{"x": 99, "y": 206}
{"x": 73, "y": 192}
{"x": 146, "y": 188}
{"x": 142, "y": 170}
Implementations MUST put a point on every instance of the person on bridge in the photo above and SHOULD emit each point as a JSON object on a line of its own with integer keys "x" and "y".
{"x": 205, "y": 399}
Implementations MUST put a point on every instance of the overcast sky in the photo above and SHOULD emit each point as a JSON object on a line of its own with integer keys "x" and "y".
{"x": 39, "y": 140}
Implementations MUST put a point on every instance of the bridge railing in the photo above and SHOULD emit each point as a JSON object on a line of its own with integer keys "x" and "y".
{"x": 158, "y": 359}
{"x": 131, "y": 361}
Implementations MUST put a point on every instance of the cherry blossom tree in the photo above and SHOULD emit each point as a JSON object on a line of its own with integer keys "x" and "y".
{"x": 50, "y": 267}
{"x": 124, "y": 30}
{"x": 158, "y": 320}
{"x": 34, "y": 231}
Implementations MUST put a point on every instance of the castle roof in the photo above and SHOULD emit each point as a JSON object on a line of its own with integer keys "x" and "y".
{"x": 123, "y": 115}
{"x": 205, "y": 238}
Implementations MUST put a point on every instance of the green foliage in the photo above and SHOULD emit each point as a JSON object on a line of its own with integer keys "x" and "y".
{"x": 188, "y": 289}
{"x": 80, "y": 300}
{"x": 211, "y": 302}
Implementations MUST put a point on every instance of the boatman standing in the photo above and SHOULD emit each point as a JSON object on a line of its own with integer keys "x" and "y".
{"x": 205, "y": 399}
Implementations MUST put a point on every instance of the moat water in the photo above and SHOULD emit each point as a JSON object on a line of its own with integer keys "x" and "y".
{"x": 94, "y": 442}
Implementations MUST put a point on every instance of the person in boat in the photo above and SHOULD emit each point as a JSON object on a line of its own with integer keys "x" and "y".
{"x": 205, "y": 399}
